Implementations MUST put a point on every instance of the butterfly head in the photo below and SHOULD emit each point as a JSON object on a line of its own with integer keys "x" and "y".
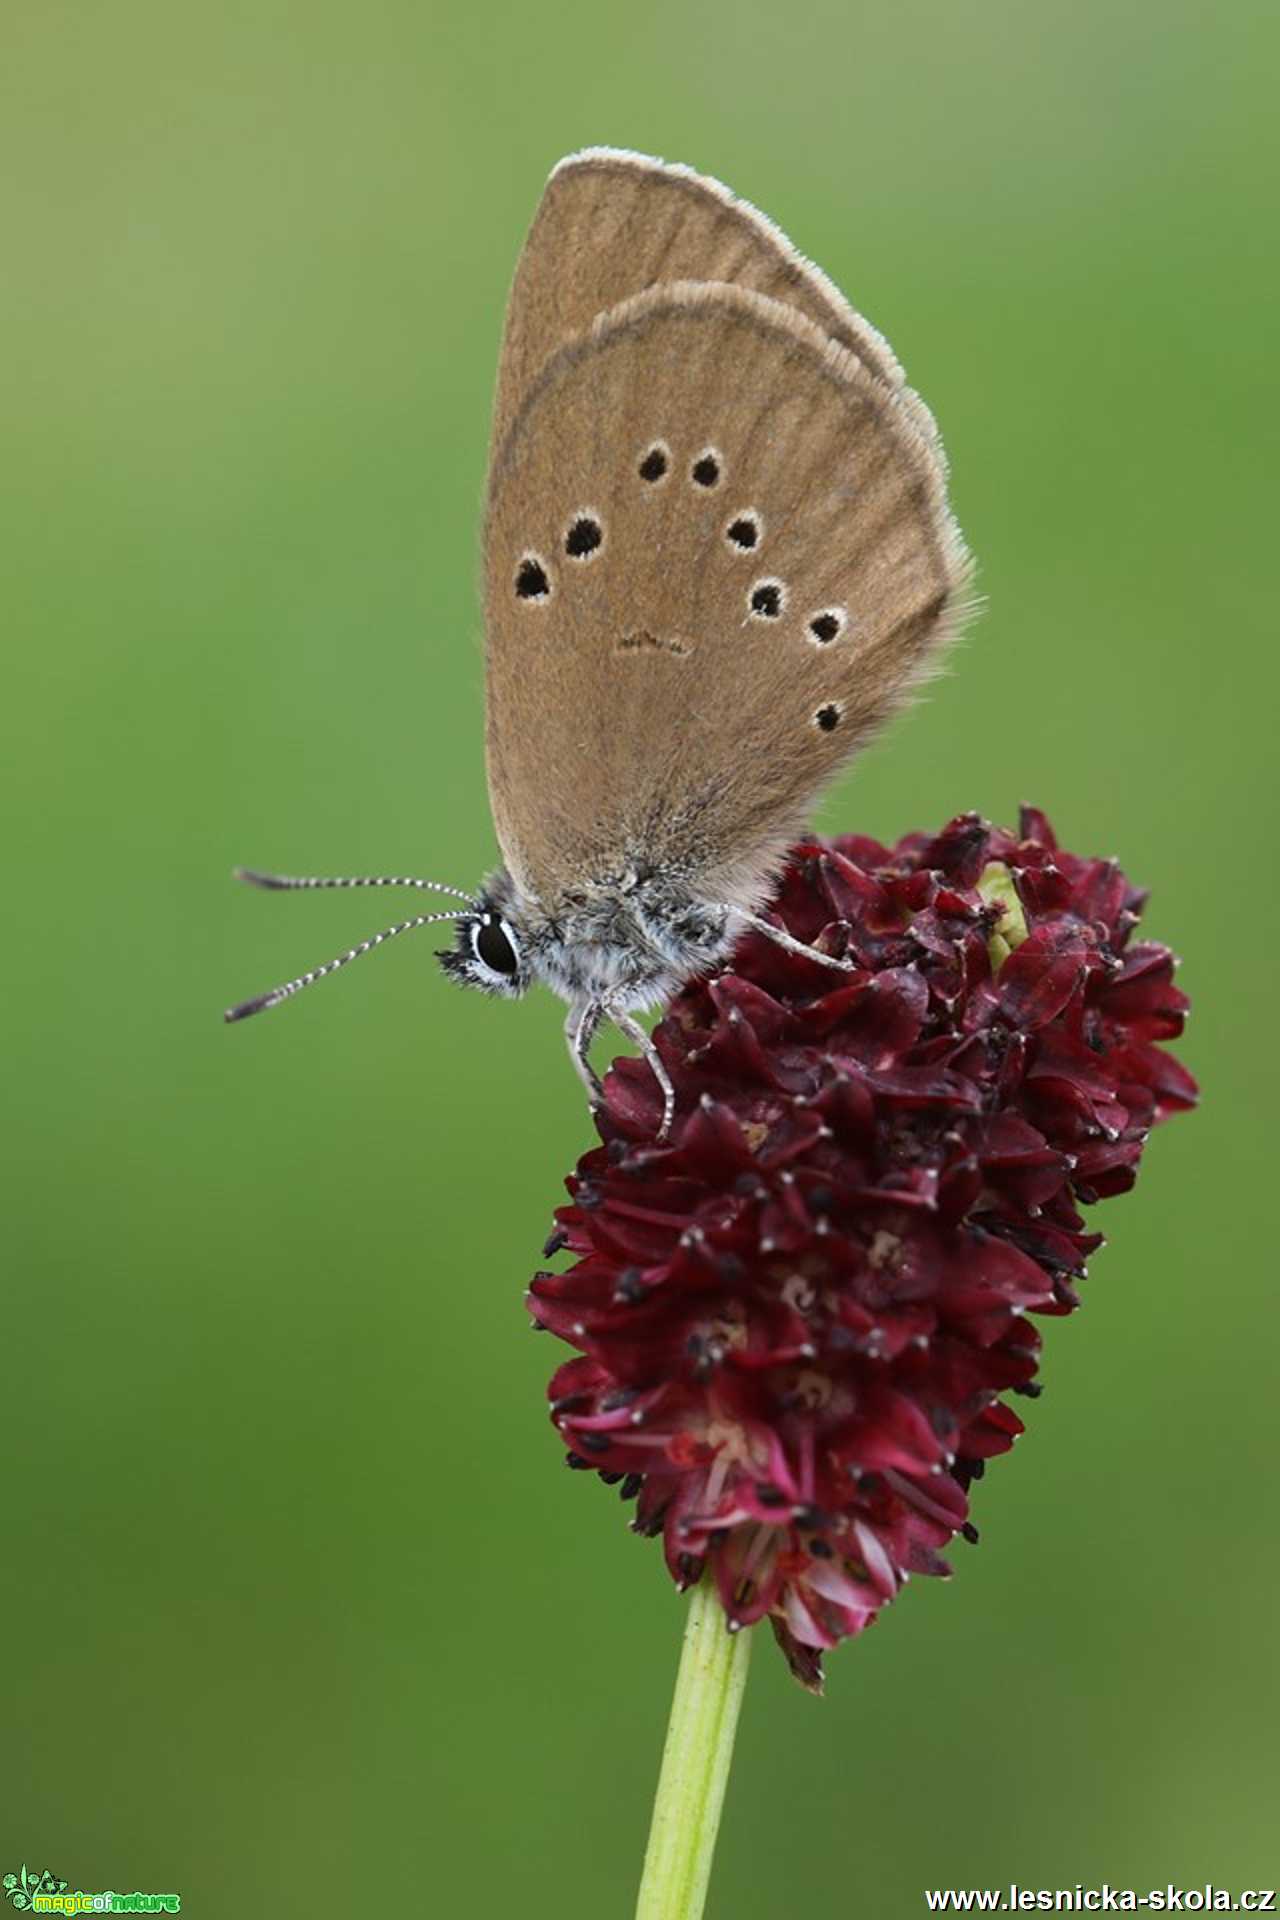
{"x": 488, "y": 950}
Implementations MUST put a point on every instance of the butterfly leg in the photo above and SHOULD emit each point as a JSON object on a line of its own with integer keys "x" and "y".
{"x": 580, "y": 1026}
{"x": 781, "y": 938}
{"x": 636, "y": 1034}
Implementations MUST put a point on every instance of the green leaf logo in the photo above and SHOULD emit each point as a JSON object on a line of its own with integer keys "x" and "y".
{"x": 21, "y": 1886}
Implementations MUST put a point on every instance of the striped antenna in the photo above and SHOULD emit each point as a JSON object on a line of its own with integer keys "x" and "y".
{"x": 283, "y": 883}
{"x": 293, "y": 883}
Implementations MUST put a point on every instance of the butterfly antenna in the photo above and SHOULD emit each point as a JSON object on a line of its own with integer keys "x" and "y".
{"x": 290, "y": 987}
{"x": 284, "y": 883}
{"x": 293, "y": 883}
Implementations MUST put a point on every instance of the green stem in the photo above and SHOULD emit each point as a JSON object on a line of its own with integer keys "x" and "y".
{"x": 695, "y": 1762}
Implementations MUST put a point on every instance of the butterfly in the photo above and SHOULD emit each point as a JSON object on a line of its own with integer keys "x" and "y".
{"x": 718, "y": 555}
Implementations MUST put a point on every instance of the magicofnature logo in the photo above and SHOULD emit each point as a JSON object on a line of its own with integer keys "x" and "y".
{"x": 45, "y": 1893}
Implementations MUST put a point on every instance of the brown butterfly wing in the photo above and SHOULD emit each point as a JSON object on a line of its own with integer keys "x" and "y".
{"x": 659, "y": 692}
{"x": 611, "y": 224}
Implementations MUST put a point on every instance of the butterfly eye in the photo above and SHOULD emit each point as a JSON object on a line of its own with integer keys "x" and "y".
{"x": 745, "y": 531}
{"x": 532, "y": 581}
{"x": 493, "y": 944}
{"x": 655, "y": 464}
{"x": 584, "y": 536}
{"x": 707, "y": 468}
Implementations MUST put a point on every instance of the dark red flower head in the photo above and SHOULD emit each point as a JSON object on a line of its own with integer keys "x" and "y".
{"x": 797, "y": 1321}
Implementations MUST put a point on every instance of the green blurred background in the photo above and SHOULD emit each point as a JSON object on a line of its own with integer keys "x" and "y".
{"x": 301, "y": 1610}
